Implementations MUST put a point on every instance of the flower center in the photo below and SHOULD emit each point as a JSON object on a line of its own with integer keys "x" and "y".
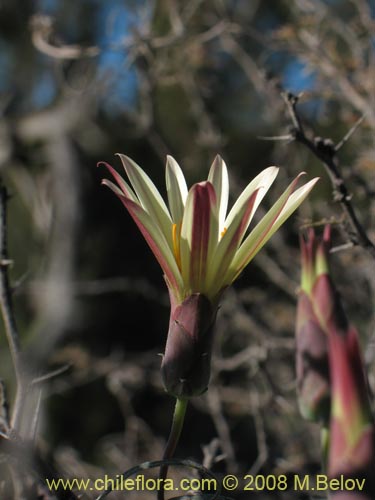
{"x": 176, "y": 236}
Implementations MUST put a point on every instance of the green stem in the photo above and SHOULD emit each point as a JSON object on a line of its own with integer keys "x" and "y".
{"x": 174, "y": 436}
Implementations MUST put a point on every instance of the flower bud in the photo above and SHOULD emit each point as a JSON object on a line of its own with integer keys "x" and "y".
{"x": 313, "y": 380}
{"x": 352, "y": 431}
{"x": 332, "y": 383}
{"x": 312, "y": 364}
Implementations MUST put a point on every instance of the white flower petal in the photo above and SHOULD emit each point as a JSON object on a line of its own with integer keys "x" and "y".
{"x": 198, "y": 235}
{"x": 218, "y": 176}
{"x": 176, "y": 189}
{"x": 115, "y": 188}
{"x": 157, "y": 242}
{"x": 149, "y": 197}
{"x": 262, "y": 182}
{"x": 229, "y": 243}
{"x": 263, "y": 231}
{"x": 292, "y": 204}
{"x": 123, "y": 185}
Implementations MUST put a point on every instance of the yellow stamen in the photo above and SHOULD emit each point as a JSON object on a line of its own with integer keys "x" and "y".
{"x": 223, "y": 232}
{"x": 176, "y": 235}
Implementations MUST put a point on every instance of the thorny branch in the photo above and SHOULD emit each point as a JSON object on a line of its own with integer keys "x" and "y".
{"x": 326, "y": 151}
{"x": 10, "y": 432}
{"x": 11, "y": 332}
{"x": 9, "y": 319}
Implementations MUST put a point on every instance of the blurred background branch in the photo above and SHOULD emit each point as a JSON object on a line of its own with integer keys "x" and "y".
{"x": 83, "y": 80}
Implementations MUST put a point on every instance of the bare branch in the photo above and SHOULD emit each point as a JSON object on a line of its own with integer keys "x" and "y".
{"x": 4, "y": 409}
{"x": 216, "y": 410}
{"x": 325, "y": 150}
{"x": 41, "y": 31}
{"x": 261, "y": 434}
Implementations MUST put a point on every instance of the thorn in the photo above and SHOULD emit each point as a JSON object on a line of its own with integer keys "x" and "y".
{"x": 350, "y": 133}
{"x": 340, "y": 248}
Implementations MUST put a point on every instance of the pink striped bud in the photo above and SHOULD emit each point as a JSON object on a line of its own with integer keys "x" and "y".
{"x": 352, "y": 431}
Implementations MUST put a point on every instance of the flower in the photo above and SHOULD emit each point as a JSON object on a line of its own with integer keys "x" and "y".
{"x": 201, "y": 250}
{"x": 198, "y": 246}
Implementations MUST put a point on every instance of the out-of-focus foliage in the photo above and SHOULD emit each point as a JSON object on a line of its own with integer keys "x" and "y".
{"x": 82, "y": 80}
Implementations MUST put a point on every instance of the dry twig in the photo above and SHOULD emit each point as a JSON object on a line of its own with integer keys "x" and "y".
{"x": 326, "y": 151}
